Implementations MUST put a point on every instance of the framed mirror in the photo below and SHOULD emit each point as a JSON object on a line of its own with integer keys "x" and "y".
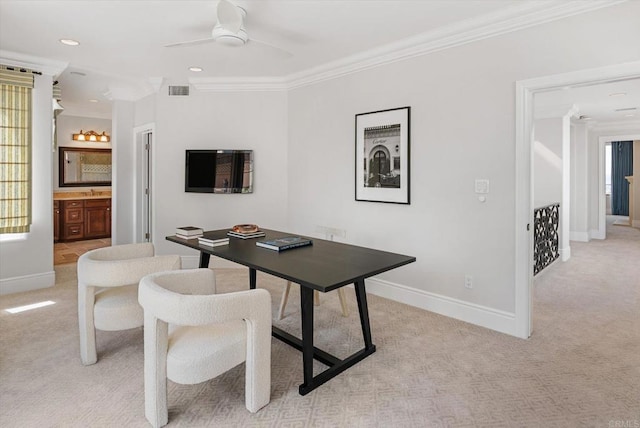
{"x": 80, "y": 167}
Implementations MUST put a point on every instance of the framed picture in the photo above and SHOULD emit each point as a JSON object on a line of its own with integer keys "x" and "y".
{"x": 382, "y": 156}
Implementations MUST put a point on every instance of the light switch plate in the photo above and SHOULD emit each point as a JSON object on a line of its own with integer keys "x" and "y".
{"x": 482, "y": 185}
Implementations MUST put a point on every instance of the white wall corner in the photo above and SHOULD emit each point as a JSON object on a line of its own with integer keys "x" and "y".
{"x": 156, "y": 83}
{"x": 27, "y": 283}
{"x": 597, "y": 234}
{"x": 493, "y": 319}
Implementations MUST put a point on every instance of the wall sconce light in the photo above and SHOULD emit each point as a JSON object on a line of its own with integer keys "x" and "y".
{"x": 91, "y": 136}
{"x": 397, "y": 148}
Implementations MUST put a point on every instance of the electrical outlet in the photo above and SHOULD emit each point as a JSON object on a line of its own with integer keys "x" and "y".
{"x": 331, "y": 232}
{"x": 468, "y": 281}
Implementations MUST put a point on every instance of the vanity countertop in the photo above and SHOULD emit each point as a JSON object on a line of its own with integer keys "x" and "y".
{"x": 60, "y": 196}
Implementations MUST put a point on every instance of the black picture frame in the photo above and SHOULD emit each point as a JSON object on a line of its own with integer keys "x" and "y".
{"x": 382, "y": 158}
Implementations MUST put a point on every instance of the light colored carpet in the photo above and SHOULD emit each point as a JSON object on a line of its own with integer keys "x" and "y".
{"x": 580, "y": 368}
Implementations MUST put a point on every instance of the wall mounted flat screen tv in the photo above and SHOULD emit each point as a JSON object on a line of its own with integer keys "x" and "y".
{"x": 219, "y": 171}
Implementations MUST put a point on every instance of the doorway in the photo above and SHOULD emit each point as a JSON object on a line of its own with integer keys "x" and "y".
{"x": 143, "y": 136}
{"x": 603, "y": 211}
{"x": 525, "y": 91}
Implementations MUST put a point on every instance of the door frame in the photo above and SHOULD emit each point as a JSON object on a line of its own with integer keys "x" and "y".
{"x": 602, "y": 206}
{"x": 525, "y": 90}
{"x": 139, "y": 133}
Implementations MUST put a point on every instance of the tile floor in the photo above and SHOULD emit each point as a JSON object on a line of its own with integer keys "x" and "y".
{"x": 68, "y": 252}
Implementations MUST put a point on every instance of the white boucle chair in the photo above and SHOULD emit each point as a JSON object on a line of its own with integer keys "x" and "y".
{"x": 108, "y": 290}
{"x": 192, "y": 335}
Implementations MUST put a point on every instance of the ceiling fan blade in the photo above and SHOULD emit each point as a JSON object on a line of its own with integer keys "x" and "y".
{"x": 269, "y": 45}
{"x": 229, "y": 16}
{"x": 190, "y": 42}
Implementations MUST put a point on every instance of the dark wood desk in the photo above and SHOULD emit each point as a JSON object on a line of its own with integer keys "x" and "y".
{"x": 323, "y": 266}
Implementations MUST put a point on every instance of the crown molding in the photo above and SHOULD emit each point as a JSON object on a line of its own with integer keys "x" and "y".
{"x": 524, "y": 15}
{"x": 156, "y": 83}
{"x": 490, "y": 25}
{"x": 238, "y": 84}
{"x": 42, "y": 65}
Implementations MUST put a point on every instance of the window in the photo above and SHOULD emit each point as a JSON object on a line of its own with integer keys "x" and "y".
{"x": 15, "y": 150}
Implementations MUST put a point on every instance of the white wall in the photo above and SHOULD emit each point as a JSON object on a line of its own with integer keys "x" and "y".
{"x": 547, "y": 162}
{"x": 255, "y": 121}
{"x": 145, "y": 110}
{"x": 27, "y": 263}
{"x": 579, "y": 217}
{"x": 462, "y": 102}
{"x": 123, "y": 180}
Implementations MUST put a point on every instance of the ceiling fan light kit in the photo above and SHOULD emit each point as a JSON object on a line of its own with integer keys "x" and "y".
{"x": 227, "y": 37}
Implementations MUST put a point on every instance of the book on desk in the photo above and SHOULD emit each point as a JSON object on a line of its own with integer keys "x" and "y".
{"x": 213, "y": 239}
{"x": 286, "y": 243}
{"x": 189, "y": 232}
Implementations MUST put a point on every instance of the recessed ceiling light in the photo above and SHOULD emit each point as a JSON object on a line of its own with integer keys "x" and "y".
{"x": 618, "y": 94}
{"x": 69, "y": 42}
{"x": 195, "y": 69}
{"x": 93, "y": 101}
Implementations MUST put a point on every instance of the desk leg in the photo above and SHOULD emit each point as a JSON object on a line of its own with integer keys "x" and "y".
{"x": 306, "y": 305}
{"x": 252, "y": 279}
{"x": 204, "y": 259}
{"x": 361, "y": 296}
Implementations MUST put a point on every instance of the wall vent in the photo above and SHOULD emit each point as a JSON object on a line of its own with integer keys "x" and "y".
{"x": 178, "y": 91}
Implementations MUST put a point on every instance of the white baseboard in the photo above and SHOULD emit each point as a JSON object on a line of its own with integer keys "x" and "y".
{"x": 501, "y": 321}
{"x": 192, "y": 262}
{"x": 27, "y": 283}
{"x": 579, "y": 236}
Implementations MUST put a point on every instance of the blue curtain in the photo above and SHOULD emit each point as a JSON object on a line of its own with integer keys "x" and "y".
{"x": 621, "y": 166}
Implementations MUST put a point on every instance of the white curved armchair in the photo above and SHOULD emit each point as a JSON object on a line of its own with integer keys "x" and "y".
{"x": 209, "y": 334}
{"x": 108, "y": 290}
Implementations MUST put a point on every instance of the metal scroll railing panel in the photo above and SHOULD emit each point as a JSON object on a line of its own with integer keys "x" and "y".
{"x": 545, "y": 235}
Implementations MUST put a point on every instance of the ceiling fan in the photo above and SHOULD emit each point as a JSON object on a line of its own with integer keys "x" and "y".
{"x": 229, "y": 30}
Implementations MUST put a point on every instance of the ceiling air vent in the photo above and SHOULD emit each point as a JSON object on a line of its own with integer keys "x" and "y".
{"x": 178, "y": 90}
{"x": 626, "y": 109}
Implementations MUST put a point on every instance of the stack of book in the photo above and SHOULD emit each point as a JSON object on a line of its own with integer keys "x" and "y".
{"x": 189, "y": 232}
{"x": 214, "y": 238}
{"x": 246, "y": 231}
{"x": 213, "y": 242}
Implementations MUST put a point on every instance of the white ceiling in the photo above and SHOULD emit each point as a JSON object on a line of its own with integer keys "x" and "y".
{"x": 122, "y": 54}
{"x": 612, "y": 102}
